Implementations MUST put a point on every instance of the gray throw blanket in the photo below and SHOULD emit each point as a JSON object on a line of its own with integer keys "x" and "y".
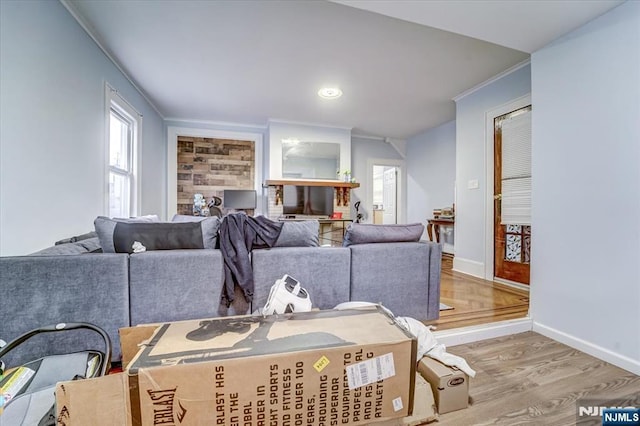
{"x": 239, "y": 234}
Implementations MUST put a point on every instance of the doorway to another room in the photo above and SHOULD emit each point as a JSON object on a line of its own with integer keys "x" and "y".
{"x": 385, "y": 192}
{"x": 385, "y": 195}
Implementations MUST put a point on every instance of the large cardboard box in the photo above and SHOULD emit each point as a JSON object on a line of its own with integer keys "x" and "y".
{"x": 424, "y": 406}
{"x": 322, "y": 367}
{"x": 450, "y": 386}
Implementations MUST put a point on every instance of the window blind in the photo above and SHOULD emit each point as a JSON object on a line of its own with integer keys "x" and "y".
{"x": 516, "y": 170}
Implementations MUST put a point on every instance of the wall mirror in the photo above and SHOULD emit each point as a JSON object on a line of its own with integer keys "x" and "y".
{"x": 310, "y": 160}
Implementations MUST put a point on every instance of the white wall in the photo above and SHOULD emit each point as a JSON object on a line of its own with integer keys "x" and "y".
{"x": 52, "y": 137}
{"x": 470, "y": 243}
{"x": 585, "y": 273}
{"x": 431, "y": 172}
{"x": 362, "y": 152}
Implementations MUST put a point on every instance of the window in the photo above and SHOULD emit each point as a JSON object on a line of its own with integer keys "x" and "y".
{"x": 123, "y": 129}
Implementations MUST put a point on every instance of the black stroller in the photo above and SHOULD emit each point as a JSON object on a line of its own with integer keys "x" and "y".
{"x": 27, "y": 392}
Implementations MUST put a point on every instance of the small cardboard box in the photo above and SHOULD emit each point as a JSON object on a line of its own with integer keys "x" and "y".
{"x": 102, "y": 401}
{"x": 450, "y": 386}
{"x": 424, "y": 407}
{"x": 316, "y": 367}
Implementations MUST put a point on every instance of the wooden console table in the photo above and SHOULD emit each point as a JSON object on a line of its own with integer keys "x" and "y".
{"x": 435, "y": 224}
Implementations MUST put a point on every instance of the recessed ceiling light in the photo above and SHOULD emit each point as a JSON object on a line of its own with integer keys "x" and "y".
{"x": 330, "y": 93}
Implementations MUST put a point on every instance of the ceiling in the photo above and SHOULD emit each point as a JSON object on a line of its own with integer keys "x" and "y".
{"x": 250, "y": 61}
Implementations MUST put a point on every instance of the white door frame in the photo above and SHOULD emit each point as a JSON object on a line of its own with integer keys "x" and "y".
{"x": 489, "y": 133}
{"x": 172, "y": 161}
{"x": 401, "y": 188}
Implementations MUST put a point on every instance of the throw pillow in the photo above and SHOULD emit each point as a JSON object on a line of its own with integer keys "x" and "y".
{"x": 118, "y": 236}
{"x": 299, "y": 234}
{"x": 358, "y": 233}
{"x": 105, "y": 226}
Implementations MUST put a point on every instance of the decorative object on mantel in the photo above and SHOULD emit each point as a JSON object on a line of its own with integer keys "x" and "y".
{"x": 278, "y": 194}
{"x": 345, "y": 196}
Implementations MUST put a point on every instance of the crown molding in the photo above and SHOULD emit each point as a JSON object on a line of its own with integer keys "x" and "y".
{"x": 302, "y": 123}
{"x": 493, "y": 79}
{"x": 216, "y": 123}
{"x": 369, "y": 137}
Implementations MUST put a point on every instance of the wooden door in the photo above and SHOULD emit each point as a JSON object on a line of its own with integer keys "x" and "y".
{"x": 512, "y": 242}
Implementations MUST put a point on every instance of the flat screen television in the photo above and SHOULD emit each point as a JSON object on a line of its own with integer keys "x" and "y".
{"x": 307, "y": 200}
{"x": 239, "y": 199}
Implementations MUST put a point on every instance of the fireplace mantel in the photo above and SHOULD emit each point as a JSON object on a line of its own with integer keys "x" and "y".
{"x": 330, "y": 183}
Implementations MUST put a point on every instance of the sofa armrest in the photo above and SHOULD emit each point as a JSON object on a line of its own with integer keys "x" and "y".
{"x": 401, "y": 276}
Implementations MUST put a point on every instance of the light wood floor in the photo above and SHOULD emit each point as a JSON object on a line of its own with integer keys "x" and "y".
{"x": 530, "y": 379}
{"x": 476, "y": 301}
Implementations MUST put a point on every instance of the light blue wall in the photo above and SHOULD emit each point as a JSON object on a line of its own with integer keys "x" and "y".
{"x": 362, "y": 150}
{"x": 585, "y": 273}
{"x": 470, "y": 239}
{"x": 52, "y": 128}
{"x": 431, "y": 172}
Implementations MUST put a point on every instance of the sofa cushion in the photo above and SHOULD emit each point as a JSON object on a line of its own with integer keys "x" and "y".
{"x": 322, "y": 271}
{"x": 118, "y": 236}
{"x": 174, "y": 285}
{"x": 299, "y": 234}
{"x": 358, "y": 233}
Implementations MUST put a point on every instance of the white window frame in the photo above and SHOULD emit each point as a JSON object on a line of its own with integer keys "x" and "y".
{"x": 116, "y": 103}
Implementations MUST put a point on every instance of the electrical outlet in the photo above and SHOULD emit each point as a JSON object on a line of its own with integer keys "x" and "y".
{"x": 472, "y": 184}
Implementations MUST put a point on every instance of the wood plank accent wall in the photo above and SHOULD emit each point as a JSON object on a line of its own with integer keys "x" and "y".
{"x": 209, "y": 166}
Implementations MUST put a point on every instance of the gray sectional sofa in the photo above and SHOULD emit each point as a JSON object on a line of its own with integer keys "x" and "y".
{"x": 114, "y": 290}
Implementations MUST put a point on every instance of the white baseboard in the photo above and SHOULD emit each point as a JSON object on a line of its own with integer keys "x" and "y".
{"x": 599, "y": 352}
{"x": 469, "y": 267}
{"x": 463, "y": 335}
{"x": 514, "y": 284}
